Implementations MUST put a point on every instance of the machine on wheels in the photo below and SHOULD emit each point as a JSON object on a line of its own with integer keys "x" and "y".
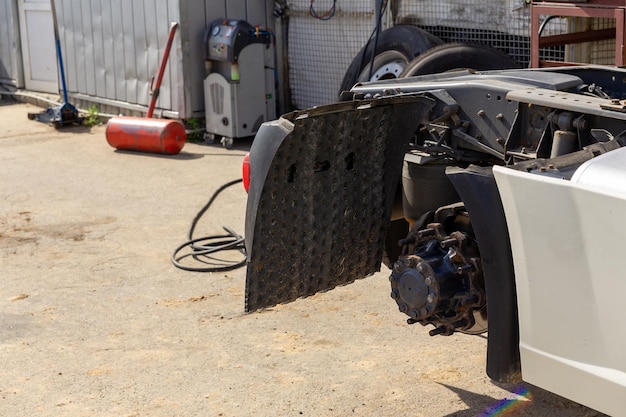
{"x": 239, "y": 91}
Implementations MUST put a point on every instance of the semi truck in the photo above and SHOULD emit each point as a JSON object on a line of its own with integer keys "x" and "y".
{"x": 495, "y": 198}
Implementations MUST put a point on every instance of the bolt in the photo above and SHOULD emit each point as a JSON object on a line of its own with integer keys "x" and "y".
{"x": 414, "y": 314}
{"x": 430, "y": 298}
{"x": 429, "y": 281}
{"x": 438, "y": 330}
{"x": 481, "y": 113}
{"x": 425, "y": 233}
{"x": 391, "y": 91}
{"x": 499, "y": 116}
{"x": 398, "y": 267}
{"x": 403, "y": 307}
{"x": 500, "y": 140}
{"x": 394, "y": 294}
{"x": 448, "y": 243}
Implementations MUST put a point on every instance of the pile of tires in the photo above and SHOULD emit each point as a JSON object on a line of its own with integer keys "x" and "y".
{"x": 405, "y": 51}
{"x": 396, "y": 47}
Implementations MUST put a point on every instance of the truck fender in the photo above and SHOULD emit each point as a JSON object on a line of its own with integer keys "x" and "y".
{"x": 478, "y": 191}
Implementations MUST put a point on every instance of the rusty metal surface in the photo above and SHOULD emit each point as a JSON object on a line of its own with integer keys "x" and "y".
{"x": 325, "y": 205}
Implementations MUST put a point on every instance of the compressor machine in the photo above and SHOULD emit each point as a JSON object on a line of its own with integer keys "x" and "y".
{"x": 239, "y": 91}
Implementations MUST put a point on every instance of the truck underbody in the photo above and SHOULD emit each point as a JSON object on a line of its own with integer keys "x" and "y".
{"x": 411, "y": 173}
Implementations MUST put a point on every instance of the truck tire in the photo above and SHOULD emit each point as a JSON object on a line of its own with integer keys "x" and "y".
{"x": 453, "y": 56}
{"x": 397, "y": 46}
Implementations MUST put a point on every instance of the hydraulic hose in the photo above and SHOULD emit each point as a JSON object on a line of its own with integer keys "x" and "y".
{"x": 205, "y": 249}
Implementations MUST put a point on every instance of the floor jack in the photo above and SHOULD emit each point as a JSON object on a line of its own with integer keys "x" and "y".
{"x": 66, "y": 113}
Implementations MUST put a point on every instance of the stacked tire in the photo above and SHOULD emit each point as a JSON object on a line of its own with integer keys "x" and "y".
{"x": 405, "y": 51}
{"x": 395, "y": 48}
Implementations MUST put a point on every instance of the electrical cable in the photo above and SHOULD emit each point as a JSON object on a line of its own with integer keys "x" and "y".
{"x": 543, "y": 26}
{"x": 327, "y": 15}
{"x": 545, "y": 22}
{"x": 204, "y": 249}
{"x": 373, "y": 35}
{"x": 379, "y": 23}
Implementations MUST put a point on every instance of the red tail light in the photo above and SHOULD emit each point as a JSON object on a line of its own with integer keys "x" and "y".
{"x": 245, "y": 172}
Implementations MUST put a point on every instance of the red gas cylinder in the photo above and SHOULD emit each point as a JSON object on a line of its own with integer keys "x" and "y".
{"x": 146, "y": 135}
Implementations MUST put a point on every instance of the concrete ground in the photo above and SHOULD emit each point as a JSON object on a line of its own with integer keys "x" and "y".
{"x": 96, "y": 321}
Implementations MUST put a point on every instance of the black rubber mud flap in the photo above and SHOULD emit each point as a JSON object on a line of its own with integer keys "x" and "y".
{"x": 322, "y": 187}
{"x": 478, "y": 190}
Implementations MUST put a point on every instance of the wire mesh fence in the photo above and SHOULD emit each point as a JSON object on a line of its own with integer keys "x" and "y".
{"x": 324, "y": 36}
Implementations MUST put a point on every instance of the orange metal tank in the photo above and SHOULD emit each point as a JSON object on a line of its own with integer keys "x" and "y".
{"x": 146, "y": 135}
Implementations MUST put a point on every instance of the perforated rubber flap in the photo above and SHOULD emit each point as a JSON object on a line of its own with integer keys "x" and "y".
{"x": 322, "y": 186}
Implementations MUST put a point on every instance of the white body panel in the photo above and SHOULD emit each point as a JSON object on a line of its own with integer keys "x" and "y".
{"x": 567, "y": 240}
{"x": 236, "y": 109}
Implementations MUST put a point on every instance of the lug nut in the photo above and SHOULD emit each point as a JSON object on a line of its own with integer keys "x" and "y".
{"x": 464, "y": 268}
{"x": 448, "y": 243}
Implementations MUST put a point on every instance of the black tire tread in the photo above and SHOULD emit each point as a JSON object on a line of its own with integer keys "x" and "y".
{"x": 452, "y": 56}
{"x": 407, "y": 39}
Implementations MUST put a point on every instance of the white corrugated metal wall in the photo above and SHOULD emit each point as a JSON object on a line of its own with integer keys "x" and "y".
{"x": 11, "y": 72}
{"x": 112, "y": 49}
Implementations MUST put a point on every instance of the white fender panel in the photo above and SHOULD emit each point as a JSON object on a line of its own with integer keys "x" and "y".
{"x": 607, "y": 171}
{"x": 569, "y": 257}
